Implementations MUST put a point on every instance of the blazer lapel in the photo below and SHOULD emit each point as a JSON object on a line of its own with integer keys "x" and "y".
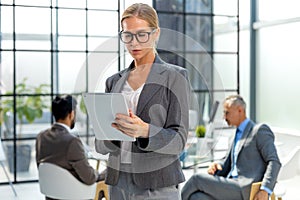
{"x": 153, "y": 83}
{"x": 120, "y": 83}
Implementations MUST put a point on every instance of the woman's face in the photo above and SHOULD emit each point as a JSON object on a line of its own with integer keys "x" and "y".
{"x": 138, "y": 26}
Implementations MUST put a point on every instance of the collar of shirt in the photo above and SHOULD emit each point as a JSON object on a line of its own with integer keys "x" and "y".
{"x": 64, "y": 125}
{"x": 240, "y": 130}
{"x": 243, "y": 125}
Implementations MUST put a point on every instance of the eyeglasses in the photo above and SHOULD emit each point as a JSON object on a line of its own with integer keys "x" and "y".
{"x": 141, "y": 37}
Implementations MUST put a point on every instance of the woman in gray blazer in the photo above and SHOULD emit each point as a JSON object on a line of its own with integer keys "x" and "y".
{"x": 157, "y": 94}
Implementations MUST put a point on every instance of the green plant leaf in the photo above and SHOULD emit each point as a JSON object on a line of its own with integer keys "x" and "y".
{"x": 200, "y": 131}
{"x": 27, "y": 107}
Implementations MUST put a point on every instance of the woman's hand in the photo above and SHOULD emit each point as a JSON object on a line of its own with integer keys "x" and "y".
{"x": 131, "y": 125}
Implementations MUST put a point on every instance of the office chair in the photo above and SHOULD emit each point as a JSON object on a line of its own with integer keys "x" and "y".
{"x": 57, "y": 182}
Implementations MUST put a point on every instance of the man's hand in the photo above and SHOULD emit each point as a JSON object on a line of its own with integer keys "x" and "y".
{"x": 261, "y": 195}
{"x": 213, "y": 167}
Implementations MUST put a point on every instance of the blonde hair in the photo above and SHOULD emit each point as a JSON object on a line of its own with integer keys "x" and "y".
{"x": 142, "y": 11}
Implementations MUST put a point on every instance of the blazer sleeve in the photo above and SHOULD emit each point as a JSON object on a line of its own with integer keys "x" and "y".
{"x": 266, "y": 146}
{"x": 77, "y": 158}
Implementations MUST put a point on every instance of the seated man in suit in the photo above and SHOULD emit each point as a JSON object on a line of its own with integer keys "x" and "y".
{"x": 58, "y": 146}
{"x": 251, "y": 158}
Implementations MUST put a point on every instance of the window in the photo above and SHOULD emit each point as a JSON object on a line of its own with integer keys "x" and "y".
{"x": 50, "y": 48}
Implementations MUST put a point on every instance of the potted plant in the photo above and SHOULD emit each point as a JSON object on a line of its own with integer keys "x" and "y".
{"x": 202, "y": 146}
{"x": 28, "y": 108}
{"x": 200, "y": 131}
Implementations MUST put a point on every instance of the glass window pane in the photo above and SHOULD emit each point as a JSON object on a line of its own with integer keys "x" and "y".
{"x": 225, "y": 72}
{"x": 278, "y": 69}
{"x": 6, "y": 71}
{"x": 100, "y": 67}
{"x": 98, "y": 23}
{"x": 9, "y": 2}
{"x": 33, "y": 66}
{"x": 198, "y": 29}
{"x": 71, "y": 22}
{"x": 198, "y": 6}
{"x": 7, "y": 41}
{"x": 103, "y": 44}
{"x": 170, "y": 21}
{"x": 130, "y": 2}
{"x": 8, "y": 118}
{"x": 71, "y": 72}
{"x": 277, "y": 10}
{"x": 6, "y": 27}
{"x": 171, "y": 35}
{"x": 23, "y": 156}
{"x": 172, "y": 6}
{"x": 33, "y": 20}
{"x": 7, "y": 21}
{"x": 69, "y": 4}
{"x": 81, "y": 118}
{"x": 33, "y": 2}
{"x": 71, "y": 43}
{"x": 225, "y": 34}
{"x": 33, "y": 120}
{"x": 26, "y": 161}
{"x": 109, "y": 5}
{"x": 33, "y": 41}
{"x": 228, "y": 7}
{"x": 199, "y": 66}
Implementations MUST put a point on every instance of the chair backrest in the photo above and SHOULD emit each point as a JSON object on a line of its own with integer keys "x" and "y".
{"x": 255, "y": 187}
{"x": 57, "y": 182}
{"x": 291, "y": 166}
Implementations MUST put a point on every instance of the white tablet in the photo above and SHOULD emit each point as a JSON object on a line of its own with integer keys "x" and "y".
{"x": 102, "y": 109}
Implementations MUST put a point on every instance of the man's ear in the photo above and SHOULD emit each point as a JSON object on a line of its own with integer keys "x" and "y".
{"x": 240, "y": 109}
{"x": 72, "y": 115}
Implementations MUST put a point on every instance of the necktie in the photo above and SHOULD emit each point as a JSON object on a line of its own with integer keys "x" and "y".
{"x": 233, "y": 172}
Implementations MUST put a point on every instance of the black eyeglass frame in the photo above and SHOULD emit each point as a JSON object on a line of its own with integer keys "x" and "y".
{"x": 136, "y": 36}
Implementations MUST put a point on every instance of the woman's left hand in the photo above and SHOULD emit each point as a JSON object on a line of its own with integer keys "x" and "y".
{"x": 131, "y": 125}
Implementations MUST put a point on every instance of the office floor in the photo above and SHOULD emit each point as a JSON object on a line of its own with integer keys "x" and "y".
{"x": 26, "y": 191}
{"x": 31, "y": 191}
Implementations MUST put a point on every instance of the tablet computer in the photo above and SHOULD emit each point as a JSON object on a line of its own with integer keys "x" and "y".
{"x": 102, "y": 109}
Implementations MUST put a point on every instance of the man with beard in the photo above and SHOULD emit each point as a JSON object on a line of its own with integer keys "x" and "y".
{"x": 58, "y": 146}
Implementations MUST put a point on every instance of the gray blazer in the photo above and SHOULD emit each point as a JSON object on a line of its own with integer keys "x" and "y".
{"x": 257, "y": 158}
{"x": 57, "y": 146}
{"x": 164, "y": 104}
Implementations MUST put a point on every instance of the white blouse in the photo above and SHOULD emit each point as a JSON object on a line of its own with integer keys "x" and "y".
{"x": 132, "y": 99}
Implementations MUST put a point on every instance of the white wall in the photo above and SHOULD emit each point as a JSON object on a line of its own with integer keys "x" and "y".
{"x": 278, "y": 65}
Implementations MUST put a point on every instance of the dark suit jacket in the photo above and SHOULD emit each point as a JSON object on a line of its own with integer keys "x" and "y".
{"x": 257, "y": 158}
{"x": 164, "y": 104}
{"x": 56, "y": 145}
